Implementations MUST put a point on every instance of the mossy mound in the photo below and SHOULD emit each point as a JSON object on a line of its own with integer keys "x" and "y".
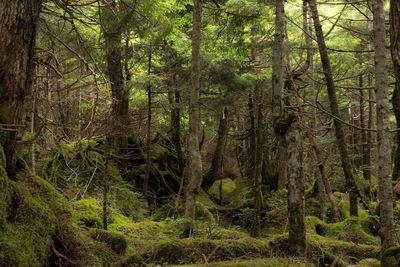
{"x": 267, "y": 262}
{"x": 191, "y": 250}
{"x": 36, "y": 225}
{"x": 222, "y": 188}
{"x": 347, "y": 241}
{"x": 116, "y": 241}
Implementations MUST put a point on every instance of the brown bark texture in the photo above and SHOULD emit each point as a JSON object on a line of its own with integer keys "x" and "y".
{"x": 277, "y": 86}
{"x": 296, "y": 203}
{"x": 215, "y": 172}
{"x": 194, "y": 160}
{"x": 18, "y": 24}
{"x": 395, "y": 52}
{"x": 119, "y": 124}
{"x": 340, "y": 137}
{"x": 386, "y": 230}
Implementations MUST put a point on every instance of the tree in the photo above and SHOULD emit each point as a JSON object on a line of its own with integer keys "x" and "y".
{"x": 277, "y": 86}
{"x": 386, "y": 231}
{"x": 395, "y": 52}
{"x": 17, "y": 42}
{"x": 340, "y": 136}
{"x": 120, "y": 121}
{"x": 194, "y": 156}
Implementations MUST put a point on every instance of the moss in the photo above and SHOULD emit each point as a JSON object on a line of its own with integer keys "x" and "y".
{"x": 353, "y": 244}
{"x": 87, "y": 213}
{"x": 370, "y": 262}
{"x": 190, "y": 250}
{"x": 116, "y": 241}
{"x": 2, "y": 158}
{"x": 5, "y": 196}
{"x": 37, "y": 222}
{"x": 228, "y": 186}
{"x": 128, "y": 202}
{"x": 268, "y": 262}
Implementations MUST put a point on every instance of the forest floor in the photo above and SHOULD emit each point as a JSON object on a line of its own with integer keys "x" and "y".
{"x": 58, "y": 219}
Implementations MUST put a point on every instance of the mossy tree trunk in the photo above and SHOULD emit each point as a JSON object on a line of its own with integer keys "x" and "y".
{"x": 277, "y": 87}
{"x": 296, "y": 203}
{"x": 339, "y": 131}
{"x": 194, "y": 160}
{"x": 386, "y": 230}
{"x": 18, "y": 24}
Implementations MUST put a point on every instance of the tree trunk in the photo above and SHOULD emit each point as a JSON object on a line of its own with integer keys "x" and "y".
{"x": 175, "y": 124}
{"x": 395, "y": 51}
{"x": 365, "y": 161}
{"x": 148, "y": 134}
{"x": 277, "y": 87}
{"x": 258, "y": 161}
{"x": 18, "y": 23}
{"x": 215, "y": 172}
{"x": 194, "y": 160}
{"x": 386, "y": 231}
{"x": 297, "y": 233}
{"x": 120, "y": 122}
{"x": 340, "y": 137}
{"x": 307, "y": 25}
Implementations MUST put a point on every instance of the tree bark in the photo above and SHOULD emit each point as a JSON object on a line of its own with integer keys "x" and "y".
{"x": 296, "y": 203}
{"x": 18, "y": 23}
{"x": 340, "y": 137}
{"x": 365, "y": 160}
{"x": 386, "y": 230}
{"x": 311, "y": 134}
{"x": 120, "y": 122}
{"x": 277, "y": 87}
{"x": 258, "y": 161}
{"x": 395, "y": 52}
{"x": 194, "y": 160}
{"x": 215, "y": 172}
{"x": 148, "y": 133}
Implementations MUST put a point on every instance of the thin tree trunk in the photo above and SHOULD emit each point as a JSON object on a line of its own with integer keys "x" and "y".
{"x": 368, "y": 167}
{"x": 277, "y": 87}
{"x": 148, "y": 134}
{"x": 258, "y": 160}
{"x": 365, "y": 161}
{"x": 195, "y": 164}
{"x": 395, "y": 52}
{"x": 386, "y": 231}
{"x": 215, "y": 172}
{"x": 307, "y": 25}
{"x": 120, "y": 122}
{"x": 18, "y": 23}
{"x": 340, "y": 137}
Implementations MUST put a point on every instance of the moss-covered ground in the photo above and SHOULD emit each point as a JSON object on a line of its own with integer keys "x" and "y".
{"x": 58, "y": 220}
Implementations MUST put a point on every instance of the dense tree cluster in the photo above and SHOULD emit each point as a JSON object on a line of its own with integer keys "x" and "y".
{"x": 203, "y": 108}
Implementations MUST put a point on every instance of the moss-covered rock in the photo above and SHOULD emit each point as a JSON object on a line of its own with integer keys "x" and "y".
{"x": 87, "y": 212}
{"x": 128, "y": 202}
{"x": 38, "y": 221}
{"x": 267, "y": 262}
{"x": 191, "y": 250}
{"x": 227, "y": 187}
{"x": 116, "y": 241}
